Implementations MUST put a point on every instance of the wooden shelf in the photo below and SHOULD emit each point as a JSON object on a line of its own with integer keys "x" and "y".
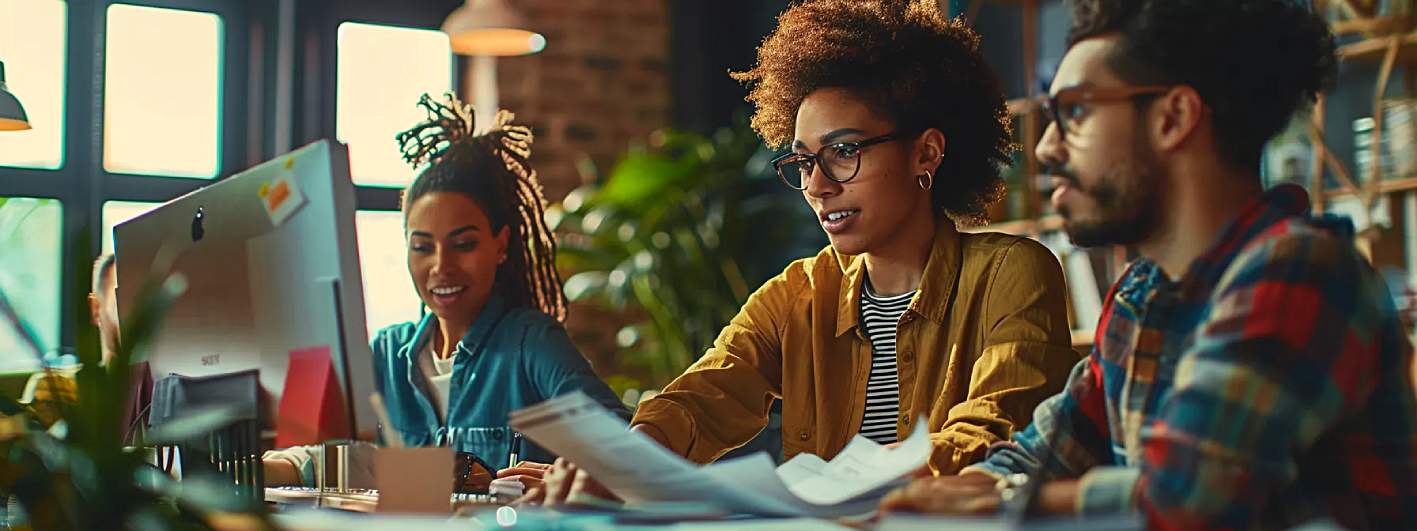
{"x": 1385, "y": 186}
{"x": 1371, "y": 26}
{"x": 1374, "y": 49}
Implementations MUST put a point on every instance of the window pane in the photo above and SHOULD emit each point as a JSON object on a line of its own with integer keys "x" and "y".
{"x": 115, "y": 212}
{"x": 162, "y": 92}
{"x": 32, "y": 48}
{"x": 30, "y": 252}
{"x": 382, "y": 70}
{"x": 389, "y": 297}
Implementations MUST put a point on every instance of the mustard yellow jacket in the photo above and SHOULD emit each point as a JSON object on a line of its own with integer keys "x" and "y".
{"x": 985, "y": 339}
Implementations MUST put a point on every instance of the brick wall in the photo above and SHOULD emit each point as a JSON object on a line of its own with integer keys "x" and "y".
{"x": 601, "y": 83}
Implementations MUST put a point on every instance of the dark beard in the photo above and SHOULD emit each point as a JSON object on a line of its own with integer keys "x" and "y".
{"x": 1120, "y": 223}
{"x": 1128, "y": 209}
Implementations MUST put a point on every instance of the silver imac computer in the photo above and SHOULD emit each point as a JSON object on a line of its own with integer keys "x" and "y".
{"x": 272, "y": 268}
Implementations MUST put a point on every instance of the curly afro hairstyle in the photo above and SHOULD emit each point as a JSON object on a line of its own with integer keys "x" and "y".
{"x": 1253, "y": 62}
{"x": 910, "y": 64}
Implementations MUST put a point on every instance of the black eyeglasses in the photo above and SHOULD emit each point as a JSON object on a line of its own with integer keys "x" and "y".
{"x": 1067, "y": 107}
{"x": 839, "y": 161}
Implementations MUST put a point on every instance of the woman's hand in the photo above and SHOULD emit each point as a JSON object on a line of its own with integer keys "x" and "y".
{"x": 280, "y": 473}
{"x": 529, "y": 473}
{"x": 965, "y": 494}
{"x": 565, "y": 484}
{"x": 562, "y": 483}
{"x": 975, "y": 493}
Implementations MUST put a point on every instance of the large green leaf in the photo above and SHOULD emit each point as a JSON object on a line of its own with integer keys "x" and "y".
{"x": 639, "y": 178}
{"x": 76, "y": 475}
{"x": 678, "y": 235}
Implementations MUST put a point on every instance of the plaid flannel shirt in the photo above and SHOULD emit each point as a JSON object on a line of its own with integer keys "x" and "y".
{"x": 1271, "y": 385}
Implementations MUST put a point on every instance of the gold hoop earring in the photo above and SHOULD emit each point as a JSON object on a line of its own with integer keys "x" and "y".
{"x": 925, "y": 181}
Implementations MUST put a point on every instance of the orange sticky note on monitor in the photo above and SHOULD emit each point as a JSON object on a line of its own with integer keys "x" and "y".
{"x": 281, "y": 198}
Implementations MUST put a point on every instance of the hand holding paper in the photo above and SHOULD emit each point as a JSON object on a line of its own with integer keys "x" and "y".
{"x": 637, "y": 469}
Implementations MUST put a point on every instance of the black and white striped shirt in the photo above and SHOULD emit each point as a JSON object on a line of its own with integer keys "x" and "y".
{"x": 879, "y": 318}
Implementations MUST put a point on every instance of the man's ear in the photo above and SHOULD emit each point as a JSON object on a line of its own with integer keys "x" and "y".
{"x": 1177, "y": 115}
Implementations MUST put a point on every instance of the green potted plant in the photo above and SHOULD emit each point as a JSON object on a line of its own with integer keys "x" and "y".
{"x": 676, "y": 237}
{"x": 63, "y": 463}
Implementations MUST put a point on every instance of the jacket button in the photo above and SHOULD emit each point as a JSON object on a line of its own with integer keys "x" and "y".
{"x": 907, "y": 317}
{"x": 905, "y": 418}
{"x": 907, "y": 354}
{"x": 803, "y": 435}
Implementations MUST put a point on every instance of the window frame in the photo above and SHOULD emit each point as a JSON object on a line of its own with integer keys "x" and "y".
{"x": 82, "y": 184}
{"x": 255, "y": 83}
{"x": 318, "y": 24}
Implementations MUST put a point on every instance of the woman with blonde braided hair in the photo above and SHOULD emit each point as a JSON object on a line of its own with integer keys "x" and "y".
{"x": 483, "y": 262}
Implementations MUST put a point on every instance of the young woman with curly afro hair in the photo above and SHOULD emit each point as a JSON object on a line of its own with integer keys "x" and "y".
{"x": 897, "y": 131}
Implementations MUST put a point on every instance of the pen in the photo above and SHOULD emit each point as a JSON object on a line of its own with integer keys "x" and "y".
{"x": 516, "y": 448}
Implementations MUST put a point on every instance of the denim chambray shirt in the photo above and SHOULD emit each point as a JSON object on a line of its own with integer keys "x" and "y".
{"x": 510, "y": 358}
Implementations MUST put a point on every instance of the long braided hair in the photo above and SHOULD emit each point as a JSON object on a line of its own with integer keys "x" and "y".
{"x": 492, "y": 168}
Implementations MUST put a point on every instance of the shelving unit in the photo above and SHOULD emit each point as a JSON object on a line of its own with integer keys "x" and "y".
{"x": 1375, "y": 49}
{"x": 1387, "y": 41}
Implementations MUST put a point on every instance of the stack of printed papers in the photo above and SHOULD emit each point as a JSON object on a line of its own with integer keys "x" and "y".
{"x": 639, "y": 470}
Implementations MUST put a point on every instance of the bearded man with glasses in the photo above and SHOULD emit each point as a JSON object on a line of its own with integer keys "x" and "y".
{"x": 1250, "y": 369}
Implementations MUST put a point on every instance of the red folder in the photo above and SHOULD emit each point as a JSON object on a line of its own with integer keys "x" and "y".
{"x": 312, "y": 405}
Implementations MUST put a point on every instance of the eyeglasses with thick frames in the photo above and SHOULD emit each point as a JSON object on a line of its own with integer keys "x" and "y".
{"x": 1069, "y": 106}
{"x": 839, "y": 162}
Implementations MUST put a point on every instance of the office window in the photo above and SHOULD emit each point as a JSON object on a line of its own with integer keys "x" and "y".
{"x": 30, "y": 252}
{"x": 32, "y": 46}
{"x": 389, "y": 297}
{"x": 162, "y": 92}
{"x": 115, "y": 212}
{"x": 382, "y": 70}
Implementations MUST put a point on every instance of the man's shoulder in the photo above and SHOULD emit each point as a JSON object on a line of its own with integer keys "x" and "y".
{"x": 1298, "y": 249}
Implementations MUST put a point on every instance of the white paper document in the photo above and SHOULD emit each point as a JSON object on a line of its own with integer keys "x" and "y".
{"x": 638, "y": 469}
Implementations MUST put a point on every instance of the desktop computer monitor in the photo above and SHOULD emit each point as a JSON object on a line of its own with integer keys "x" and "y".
{"x": 271, "y": 265}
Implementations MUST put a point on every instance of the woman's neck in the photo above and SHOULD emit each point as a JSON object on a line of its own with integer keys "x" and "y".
{"x": 896, "y": 267}
{"x": 446, "y": 338}
{"x": 451, "y": 330}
